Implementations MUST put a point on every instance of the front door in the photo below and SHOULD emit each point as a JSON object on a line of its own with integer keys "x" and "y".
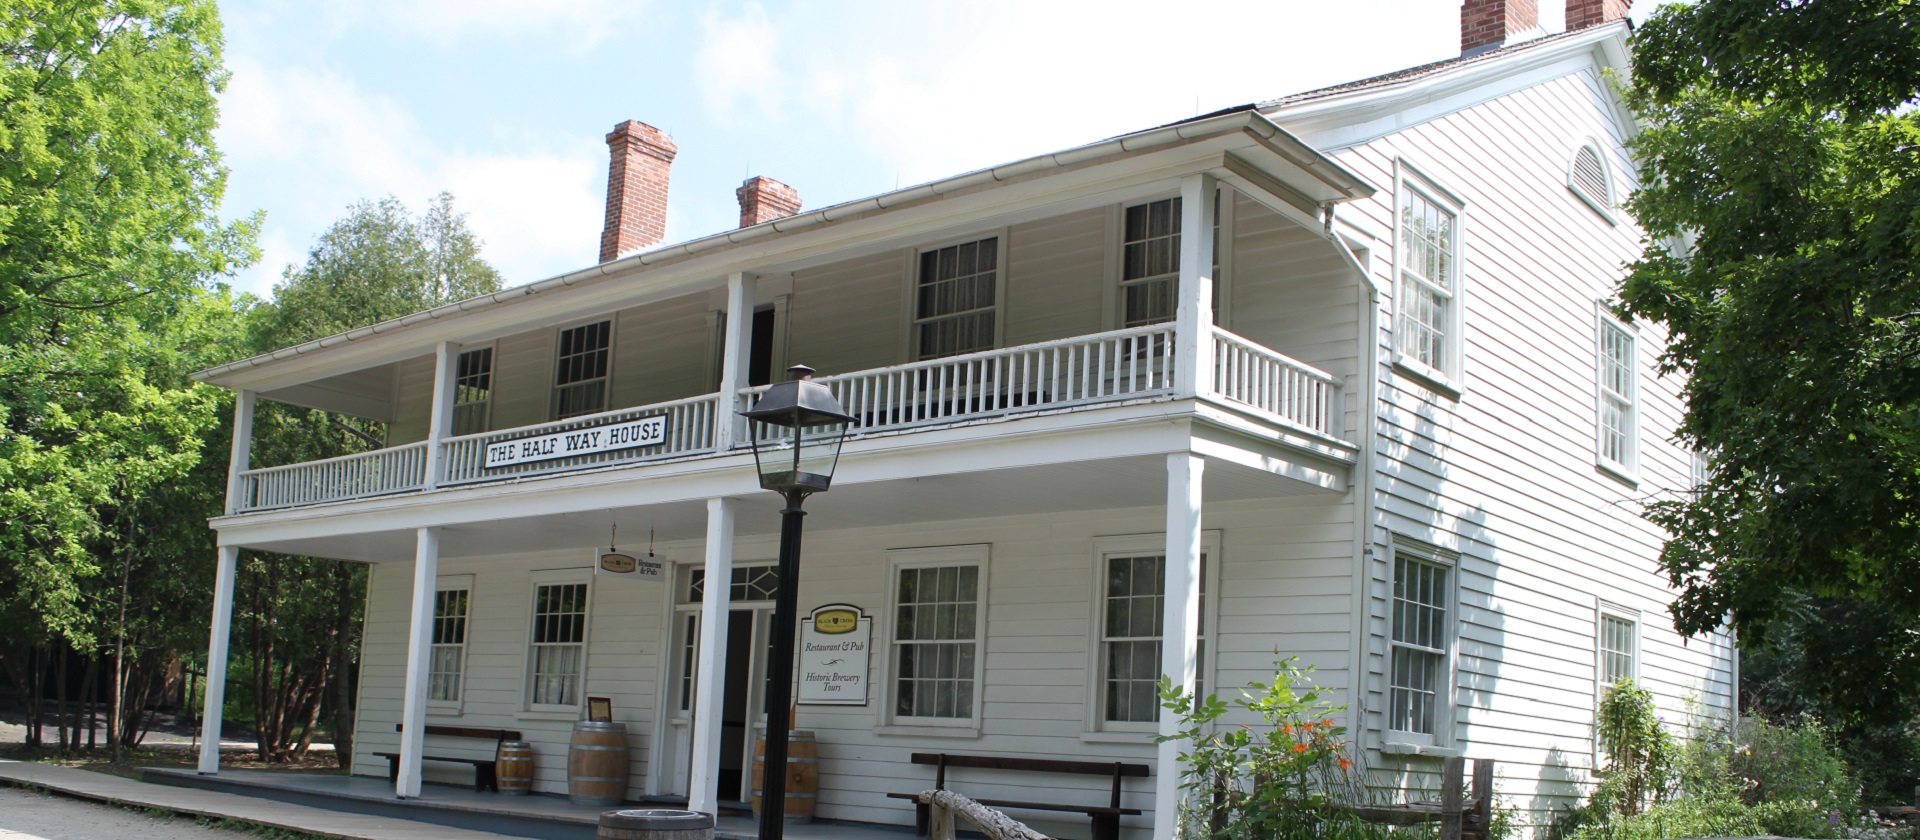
{"x": 749, "y": 633}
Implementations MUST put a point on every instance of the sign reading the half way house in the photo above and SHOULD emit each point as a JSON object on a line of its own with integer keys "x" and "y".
{"x": 611, "y": 563}
{"x": 833, "y": 656}
{"x": 628, "y": 434}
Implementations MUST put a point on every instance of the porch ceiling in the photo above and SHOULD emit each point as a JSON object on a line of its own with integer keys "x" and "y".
{"x": 1115, "y": 483}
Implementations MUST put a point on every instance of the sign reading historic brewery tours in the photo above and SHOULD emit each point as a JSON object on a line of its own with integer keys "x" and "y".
{"x": 627, "y": 434}
{"x": 610, "y": 563}
{"x": 834, "y": 643}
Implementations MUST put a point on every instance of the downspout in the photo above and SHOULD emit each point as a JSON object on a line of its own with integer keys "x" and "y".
{"x": 1366, "y": 431}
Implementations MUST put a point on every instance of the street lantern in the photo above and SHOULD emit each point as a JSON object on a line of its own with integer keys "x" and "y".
{"x": 796, "y": 428}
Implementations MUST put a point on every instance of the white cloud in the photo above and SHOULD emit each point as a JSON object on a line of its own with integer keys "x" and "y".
{"x": 736, "y": 65}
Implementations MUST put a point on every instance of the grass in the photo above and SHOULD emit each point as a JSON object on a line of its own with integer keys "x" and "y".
{"x": 133, "y": 760}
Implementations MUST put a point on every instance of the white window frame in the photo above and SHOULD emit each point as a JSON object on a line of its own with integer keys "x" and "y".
{"x": 893, "y": 723}
{"x": 910, "y": 337}
{"x": 553, "y": 368}
{"x": 485, "y": 405}
{"x": 558, "y": 577}
{"x": 1223, "y": 226}
{"x": 1134, "y": 545}
{"x": 1447, "y": 378}
{"x": 452, "y": 583}
{"x": 1603, "y": 611}
{"x": 1440, "y": 741}
{"x": 1628, "y": 469}
{"x": 1602, "y": 204}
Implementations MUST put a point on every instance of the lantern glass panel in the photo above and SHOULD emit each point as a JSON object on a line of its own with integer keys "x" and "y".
{"x": 797, "y": 457}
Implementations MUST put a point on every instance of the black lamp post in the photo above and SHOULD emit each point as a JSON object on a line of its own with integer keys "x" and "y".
{"x": 796, "y": 428}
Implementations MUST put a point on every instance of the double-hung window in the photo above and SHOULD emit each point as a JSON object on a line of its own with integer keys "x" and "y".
{"x": 1426, "y": 332}
{"x": 1420, "y": 671}
{"x": 1132, "y": 628}
{"x": 956, "y": 298}
{"x": 580, "y": 380}
{"x": 1619, "y": 422}
{"x": 558, "y": 646}
{"x": 472, "y": 390}
{"x": 1150, "y": 261}
{"x": 446, "y": 658}
{"x": 937, "y": 629}
{"x": 1619, "y": 647}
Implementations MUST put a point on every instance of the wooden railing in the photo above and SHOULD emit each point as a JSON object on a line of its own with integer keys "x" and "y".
{"x": 394, "y": 470}
{"x": 689, "y": 431}
{"x": 1249, "y": 375}
{"x": 1127, "y": 364}
{"x": 944, "y": 805}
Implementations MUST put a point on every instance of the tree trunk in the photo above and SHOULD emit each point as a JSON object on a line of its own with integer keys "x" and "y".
{"x": 63, "y": 728}
{"x": 343, "y": 656}
{"x": 36, "y": 697}
{"x": 90, "y": 694}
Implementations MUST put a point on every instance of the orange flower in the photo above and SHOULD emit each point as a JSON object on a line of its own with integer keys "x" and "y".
{"x": 1345, "y": 764}
{"x": 1286, "y": 728}
{"x": 1328, "y": 723}
{"x": 1299, "y": 748}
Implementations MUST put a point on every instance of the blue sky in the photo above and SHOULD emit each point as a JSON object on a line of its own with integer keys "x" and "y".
{"x": 506, "y": 103}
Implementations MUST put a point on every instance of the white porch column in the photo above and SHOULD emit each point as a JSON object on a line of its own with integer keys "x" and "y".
{"x": 238, "y": 457}
{"x": 709, "y": 688}
{"x": 413, "y": 709}
{"x": 1180, "y": 623}
{"x": 440, "y": 416}
{"x": 1193, "y": 319}
{"x": 217, "y": 655}
{"x": 741, "y": 288}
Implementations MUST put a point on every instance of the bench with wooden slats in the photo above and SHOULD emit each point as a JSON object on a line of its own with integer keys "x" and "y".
{"x": 1106, "y": 818}
{"x": 485, "y": 773}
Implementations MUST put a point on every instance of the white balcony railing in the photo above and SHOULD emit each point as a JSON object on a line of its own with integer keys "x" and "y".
{"x": 1253, "y": 376}
{"x": 689, "y": 431}
{"x": 1127, "y": 364}
{"x": 394, "y": 470}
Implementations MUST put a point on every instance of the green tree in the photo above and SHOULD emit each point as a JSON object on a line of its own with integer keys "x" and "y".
{"x": 299, "y": 617}
{"x": 1781, "y": 197}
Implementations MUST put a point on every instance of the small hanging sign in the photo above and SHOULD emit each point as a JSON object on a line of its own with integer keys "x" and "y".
{"x": 834, "y": 646}
{"x": 631, "y": 565}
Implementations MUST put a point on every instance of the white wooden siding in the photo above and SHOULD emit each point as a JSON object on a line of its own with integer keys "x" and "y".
{"x": 661, "y": 352}
{"x": 413, "y": 401}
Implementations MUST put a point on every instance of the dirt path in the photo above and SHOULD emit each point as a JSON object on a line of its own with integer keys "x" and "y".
{"x": 26, "y": 815}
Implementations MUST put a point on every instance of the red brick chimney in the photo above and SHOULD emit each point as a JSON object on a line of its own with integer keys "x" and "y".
{"x": 1492, "y": 24}
{"x": 636, "y": 188}
{"x": 763, "y": 199}
{"x": 1584, "y": 13}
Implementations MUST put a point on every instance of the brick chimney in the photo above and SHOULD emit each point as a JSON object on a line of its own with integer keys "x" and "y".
{"x": 763, "y": 199}
{"x": 1584, "y": 13}
{"x": 636, "y": 188}
{"x": 1492, "y": 24}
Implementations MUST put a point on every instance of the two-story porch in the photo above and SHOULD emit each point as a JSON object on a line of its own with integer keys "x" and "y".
{"x": 1143, "y": 350}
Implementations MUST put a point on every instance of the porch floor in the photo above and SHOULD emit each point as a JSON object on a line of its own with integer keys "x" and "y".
{"x": 364, "y": 808}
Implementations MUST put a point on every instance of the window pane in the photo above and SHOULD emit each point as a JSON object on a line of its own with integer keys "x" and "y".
{"x": 934, "y": 628}
{"x": 1420, "y": 636}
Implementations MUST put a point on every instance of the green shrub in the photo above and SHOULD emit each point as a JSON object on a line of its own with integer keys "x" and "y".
{"x": 1792, "y": 763}
{"x": 1640, "y": 752}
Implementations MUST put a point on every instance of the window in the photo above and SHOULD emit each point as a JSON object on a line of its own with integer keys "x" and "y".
{"x": 448, "y": 653}
{"x": 955, "y": 299}
{"x": 746, "y": 583}
{"x": 559, "y": 644}
{"x": 1587, "y": 177}
{"x": 1150, "y": 262}
{"x": 1419, "y": 671}
{"x": 1426, "y": 325}
{"x": 472, "y": 391}
{"x": 580, "y": 382}
{"x": 936, "y": 632}
{"x": 1619, "y": 418}
{"x": 1619, "y": 648}
{"x": 1132, "y": 626}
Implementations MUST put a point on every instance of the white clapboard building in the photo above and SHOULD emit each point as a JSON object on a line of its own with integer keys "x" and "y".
{"x": 1337, "y": 368}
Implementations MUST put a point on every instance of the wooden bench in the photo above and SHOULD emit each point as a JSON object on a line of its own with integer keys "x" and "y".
{"x": 1106, "y": 818}
{"x": 485, "y": 775}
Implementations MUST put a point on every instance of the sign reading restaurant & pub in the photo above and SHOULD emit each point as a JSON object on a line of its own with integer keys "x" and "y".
{"x": 628, "y": 434}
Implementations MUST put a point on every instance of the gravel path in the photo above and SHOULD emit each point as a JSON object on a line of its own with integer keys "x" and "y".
{"x": 26, "y": 815}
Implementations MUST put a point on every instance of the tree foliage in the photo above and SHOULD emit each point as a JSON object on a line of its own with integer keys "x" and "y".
{"x": 1779, "y": 157}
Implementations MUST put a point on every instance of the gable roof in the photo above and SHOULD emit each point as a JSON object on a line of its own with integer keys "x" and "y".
{"x": 1414, "y": 74}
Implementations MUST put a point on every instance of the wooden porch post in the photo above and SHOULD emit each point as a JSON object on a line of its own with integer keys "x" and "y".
{"x": 217, "y": 656}
{"x": 1179, "y": 622}
{"x": 709, "y": 690}
{"x": 734, "y": 363}
{"x": 238, "y": 458}
{"x": 1193, "y": 319}
{"x": 440, "y": 416}
{"x": 413, "y": 709}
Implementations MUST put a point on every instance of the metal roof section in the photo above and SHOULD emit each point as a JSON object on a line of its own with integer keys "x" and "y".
{"x": 1328, "y": 182}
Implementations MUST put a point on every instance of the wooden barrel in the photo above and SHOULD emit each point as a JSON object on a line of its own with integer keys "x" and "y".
{"x": 597, "y": 763}
{"x": 513, "y": 767}
{"x": 803, "y": 774}
{"x": 655, "y": 824}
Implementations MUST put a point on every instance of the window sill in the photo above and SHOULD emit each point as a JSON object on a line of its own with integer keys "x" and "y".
{"x": 566, "y": 716}
{"x": 1423, "y": 750}
{"x": 972, "y": 731}
{"x": 1428, "y": 378}
{"x": 443, "y": 711}
{"x": 1617, "y": 472}
{"x": 1118, "y": 737}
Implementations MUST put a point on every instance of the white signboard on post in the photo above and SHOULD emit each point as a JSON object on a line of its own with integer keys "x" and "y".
{"x": 834, "y": 644}
{"x": 630, "y": 434}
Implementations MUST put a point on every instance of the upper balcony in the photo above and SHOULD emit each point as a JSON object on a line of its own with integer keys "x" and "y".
{"x": 1070, "y": 293}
